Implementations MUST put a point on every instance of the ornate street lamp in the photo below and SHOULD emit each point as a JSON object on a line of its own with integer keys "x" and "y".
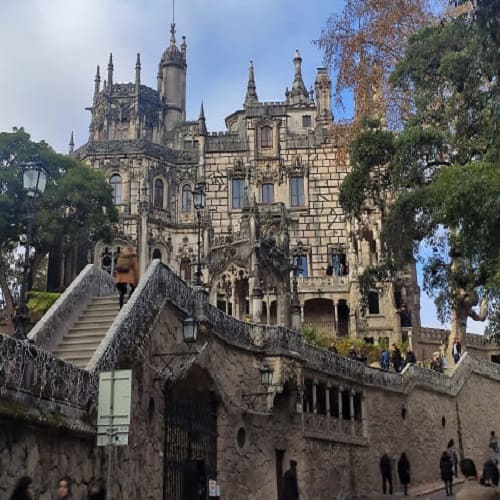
{"x": 190, "y": 330}
{"x": 34, "y": 181}
{"x": 199, "y": 205}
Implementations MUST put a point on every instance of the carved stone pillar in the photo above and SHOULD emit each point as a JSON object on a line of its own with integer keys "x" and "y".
{"x": 315, "y": 396}
{"x": 327, "y": 399}
{"x": 351, "y": 411}
{"x": 339, "y": 395}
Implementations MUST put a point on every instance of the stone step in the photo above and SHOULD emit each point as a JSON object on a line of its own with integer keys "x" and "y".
{"x": 110, "y": 299}
{"x": 98, "y": 316}
{"x": 91, "y": 323}
{"x": 81, "y": 340}
{"x": 75, "y": 350}
{"x": 79, "y": 361}
{"x": 85, "y": 334}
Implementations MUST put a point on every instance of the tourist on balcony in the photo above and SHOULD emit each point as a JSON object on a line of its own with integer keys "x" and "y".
{"x": 456, "y": 350}
{"x": 127, "y": 273}
{"x": 396, "y": 358}
{"x": 352, "y": 354}
{"x": 386, "y": 472}
{"x": 23, "y": 490}
{"x": 333, "y": 347}
{"x": 446, "y": 468}
{"x": 410, "y": 359}
{"x": 385, "y": 359}
{"x": 404, "y": 472}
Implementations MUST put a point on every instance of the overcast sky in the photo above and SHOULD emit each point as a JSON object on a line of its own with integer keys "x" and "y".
{"x": 50, "y": 50}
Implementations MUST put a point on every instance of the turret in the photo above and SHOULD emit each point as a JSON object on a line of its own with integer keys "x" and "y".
{"x": 323, "y": 87}
{"x": 251, "y": 97}
{"x": 110, "y": 71}
{"x": 172, "y": 81}
{"x": 298, "y": 94}
{"x": 202, "y": 125}
{"x": 138, "y": 69}
{"x": 97, "y": 82}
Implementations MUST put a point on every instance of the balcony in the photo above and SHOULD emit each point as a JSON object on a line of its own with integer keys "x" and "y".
{"x": 324, "y": 283}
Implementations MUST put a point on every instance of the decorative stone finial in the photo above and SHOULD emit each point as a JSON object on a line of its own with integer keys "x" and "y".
{"x": 251, "y": 97}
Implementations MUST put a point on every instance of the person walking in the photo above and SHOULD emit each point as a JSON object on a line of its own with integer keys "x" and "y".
{"x": 64, "y": 489}
{"x": 446, "y": 473}
{"x": 493, "y": 444}
{"x": 404, "y": 472}
{"x": 23, "y": 490}
{"x": 290, "y": 483}
{"x": 490, "y": 474}
{"x": 450, "y": 449}
{"x": 126, "y": 273}
{"x": 471, "y": 488}
{"x": 386, "y": 472}
{"x": 456, "y": 350}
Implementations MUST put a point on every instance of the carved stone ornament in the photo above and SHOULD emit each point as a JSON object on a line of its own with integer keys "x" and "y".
{"x": 238, "y": 170}
{"x": 186, "y": 251}
{"x": 257, "y": 336}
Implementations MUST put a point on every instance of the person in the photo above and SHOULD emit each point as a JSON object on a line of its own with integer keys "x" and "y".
{"x": 396, "y": 358}
{"x": 290, "y": 484}
{"x": 352, "y": 354}
{"x": 96, "y": 491}
{"x": 493, "y": 444}
{"x": 471, "y": 488}
{"x": 456, "y": 350}
{"x": 404, "y": 472}
{"x": 384, "y": 359}
{"x": 446, "y": 468}
{"x": 23, "y": 490}
{"x": 64, "y": 489}
{"x": 126, "y": 272}
{"x": 386, "y": 472}
{"x": 436, "y": 363}
{"x": 333, "y": 347}
{"x": 490, "y": 474}
{"x": 411, "y": 359}
{"x": 452, "y": 454}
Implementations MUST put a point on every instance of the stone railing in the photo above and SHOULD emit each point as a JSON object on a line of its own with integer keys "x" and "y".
{"x": 91, "y": 282}
{"x": 132, "y": 326}
{"x": 27, "y": 369}
{"x": 323, "y": 283}
{"x": 333, "y": 429}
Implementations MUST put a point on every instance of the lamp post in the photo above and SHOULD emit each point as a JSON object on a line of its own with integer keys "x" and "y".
{"x": 34, "y": 181}
{"x": 199, "y": 205}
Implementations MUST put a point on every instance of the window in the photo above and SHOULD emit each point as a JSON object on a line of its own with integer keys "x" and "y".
{"x": 268, "y": 193}
{"x": 296, "y": 191}
{"x": 116, "y": 187}
{"x": 157, "y": 253}
{"x": 158, "y": 197}
{"x": 266, "y": 137}
{"x": 306, "y": 121}
{"x": 373, "y": 305}
{"x": 339, "y": 264}
{"x": 238, "y": 192}
{"x": 186, "y": 198}
{"x": 300, "y": 264}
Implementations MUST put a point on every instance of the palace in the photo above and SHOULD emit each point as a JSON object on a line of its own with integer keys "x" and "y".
{"x": 271, "y": 182}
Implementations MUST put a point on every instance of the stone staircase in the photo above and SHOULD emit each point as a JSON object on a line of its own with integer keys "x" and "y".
{"x": 80, "y": 343}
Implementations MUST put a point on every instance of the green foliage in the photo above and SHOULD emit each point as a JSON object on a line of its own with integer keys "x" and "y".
{"x": 40, "y": 302}
{"x": 313, "y": 336}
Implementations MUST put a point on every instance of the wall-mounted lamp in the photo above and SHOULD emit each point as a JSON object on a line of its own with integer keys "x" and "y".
{"x": 190, "y": 330}
{"x": 266, "y": 380}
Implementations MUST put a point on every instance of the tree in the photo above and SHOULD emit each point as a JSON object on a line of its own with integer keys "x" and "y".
{"x": 362, "y": 45}
{"x": 439, "y": 176}
{"x": 75, "y": 210}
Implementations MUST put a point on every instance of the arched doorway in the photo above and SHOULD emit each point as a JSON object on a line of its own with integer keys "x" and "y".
{"x": 320, "y": 315}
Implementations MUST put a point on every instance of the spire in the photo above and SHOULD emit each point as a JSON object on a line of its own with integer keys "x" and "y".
{"x": 172, "y": 34}
{"x": 183, "y": 48}
{"x": 202, "y": 126}
{"x": 110, "y": 70}
{"x": 251, "y": 97}
{"x": 71, "y": 144}
{"x": 97, "y": 81}
{"x": 299, "y": 94}
{"x": 138, "y": 69}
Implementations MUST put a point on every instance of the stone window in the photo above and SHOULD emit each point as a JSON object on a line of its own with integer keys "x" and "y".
{"x": 266, "y": 137}
{"x": 346, "y": 405}
{"x": 158, "y": 194}
{"x": 358, "y": 407}
{"x": 306, "y": 121}
{"x": 116, "y": 186}
{"x": 297, "y": 191}
{"x": 321, "y": 399}
{"x": 238, "y": 193}
{"x": 185, "y": 269}
{"x": 268, "y": 193}
{"x": 338, "y": 266}
{"x": 187, "y": 197}
{"x": 373, "y": 303}
{"x": 334, "y": 402}
{"x": 300, "y": 264}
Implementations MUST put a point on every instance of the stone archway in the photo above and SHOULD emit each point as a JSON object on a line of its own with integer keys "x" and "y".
{"x": 319, "y": 313}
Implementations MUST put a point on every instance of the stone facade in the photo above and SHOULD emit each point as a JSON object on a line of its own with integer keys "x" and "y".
{"x": 271, "y": 181}
{"x": 333, "y": 415}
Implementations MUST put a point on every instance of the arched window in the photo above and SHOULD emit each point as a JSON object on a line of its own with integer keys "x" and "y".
{"x": 116, "y": 185}
{"x": 266, "y": 137}
{"x": 187, "y": 197}
{"x": 158, "y": 196}
{"x": 157, "y": 253}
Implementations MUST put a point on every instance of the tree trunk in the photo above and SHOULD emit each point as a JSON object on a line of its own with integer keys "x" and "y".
{"x": 10, "y": 310}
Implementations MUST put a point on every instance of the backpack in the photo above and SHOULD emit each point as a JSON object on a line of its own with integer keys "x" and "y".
{"x": 123, "y": 264}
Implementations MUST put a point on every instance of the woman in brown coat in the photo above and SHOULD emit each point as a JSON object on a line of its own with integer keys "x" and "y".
{"x": 126, "y": 272}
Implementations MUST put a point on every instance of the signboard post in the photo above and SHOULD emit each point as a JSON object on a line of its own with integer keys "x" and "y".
{"x": 113, "y": 414}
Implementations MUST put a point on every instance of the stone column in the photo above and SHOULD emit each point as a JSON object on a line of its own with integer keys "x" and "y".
{"x": 327, "y": 399}
{"x": 351, "y": 411}
{"x": 339, "y": 395}
{"x": 233, "y": 299}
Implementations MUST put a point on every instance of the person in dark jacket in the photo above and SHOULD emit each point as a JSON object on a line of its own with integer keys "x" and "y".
{"x": 404, "y": 472}
{"x": 96, "y": 492}
{"x": 386, "y": 472}
{"x": 23, "y": 490}
{"x": 446, "y": 467}
{"x": 490, "y": 474}
{"x": 290, "y": 484}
